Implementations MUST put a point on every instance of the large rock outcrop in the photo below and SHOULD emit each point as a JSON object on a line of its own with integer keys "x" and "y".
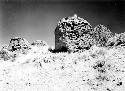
{"x": 71, "y": 34}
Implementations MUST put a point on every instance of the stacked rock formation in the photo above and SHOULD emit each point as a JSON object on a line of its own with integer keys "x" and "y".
{"x": 71, "y": 33}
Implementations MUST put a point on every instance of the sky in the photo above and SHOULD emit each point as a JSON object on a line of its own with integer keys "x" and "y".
{"x": 37, "y": 19}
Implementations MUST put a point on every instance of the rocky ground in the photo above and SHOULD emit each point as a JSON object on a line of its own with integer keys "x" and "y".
{"x": 46, "y": 71}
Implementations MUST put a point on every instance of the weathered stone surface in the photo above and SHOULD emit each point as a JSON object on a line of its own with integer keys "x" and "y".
{"x": 82, "y": 43}
{"x": 70, "y": 31}
{"x": 18, "y": 44}
{"x": 102, "y": 34}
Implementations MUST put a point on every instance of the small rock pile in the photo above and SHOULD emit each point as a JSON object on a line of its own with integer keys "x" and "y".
{"x": 19, "y": 44}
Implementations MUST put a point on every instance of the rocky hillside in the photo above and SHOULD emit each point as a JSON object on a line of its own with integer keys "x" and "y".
{"x": 38, "y": 67}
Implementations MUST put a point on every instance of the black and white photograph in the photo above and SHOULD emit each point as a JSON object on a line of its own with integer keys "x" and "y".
{"x": 62, "y": 45}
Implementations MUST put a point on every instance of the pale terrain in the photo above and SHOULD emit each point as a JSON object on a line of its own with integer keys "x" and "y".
{"x": 45, "y": 71}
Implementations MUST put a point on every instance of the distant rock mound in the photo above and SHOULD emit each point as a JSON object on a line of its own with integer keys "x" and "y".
{"x": 102, "y": 34}
{"x": 18, "y": 44}
{"x": 70, "y": 33}
{"x": 39, "y": 43}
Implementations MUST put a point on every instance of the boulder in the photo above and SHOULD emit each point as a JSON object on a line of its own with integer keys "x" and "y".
{"x": 70, "y": 30}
